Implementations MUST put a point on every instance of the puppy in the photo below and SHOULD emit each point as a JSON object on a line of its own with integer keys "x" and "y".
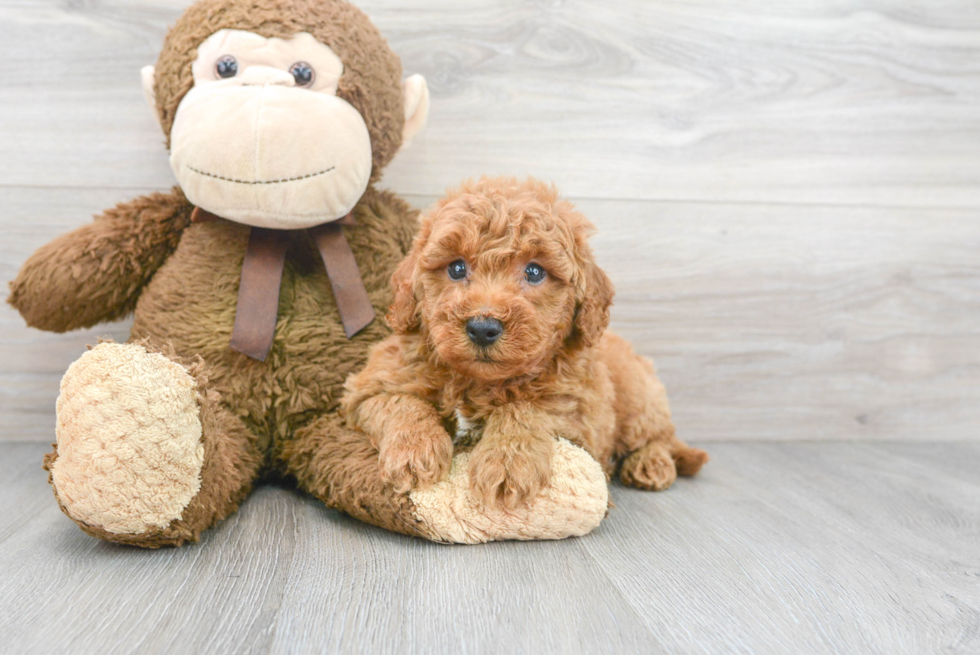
{"x": 499, "y": 320}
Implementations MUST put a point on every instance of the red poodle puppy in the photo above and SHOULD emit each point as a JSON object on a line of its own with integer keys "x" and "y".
{"x": 500, "y": 316}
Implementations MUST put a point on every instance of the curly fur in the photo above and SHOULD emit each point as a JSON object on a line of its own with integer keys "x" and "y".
{"x": 554, "y": 372}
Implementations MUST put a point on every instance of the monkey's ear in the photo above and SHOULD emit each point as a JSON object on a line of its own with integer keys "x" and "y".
{"x": 148, "y": 74}
{"x": 403, "y": 314}
{"x": 415, "y": 93}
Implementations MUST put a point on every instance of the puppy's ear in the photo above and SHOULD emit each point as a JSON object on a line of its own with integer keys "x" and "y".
{"x": 594, "y": 292}
{"x": 403, "y": 314}
{"x": 592, "y": 310}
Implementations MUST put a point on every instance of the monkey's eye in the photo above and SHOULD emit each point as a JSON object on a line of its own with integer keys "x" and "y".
{"x": 534, "y": 274}
{"x": 457, "y": 270}
{"x": 226, "y": 67}
{"x": 302, "y": 73}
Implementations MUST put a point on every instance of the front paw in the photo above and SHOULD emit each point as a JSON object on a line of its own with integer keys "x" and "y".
{"x": 415, "y": 458}
{"x": 510, "y": 474}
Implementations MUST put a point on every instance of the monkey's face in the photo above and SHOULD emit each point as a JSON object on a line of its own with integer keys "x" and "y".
{"x": 262, "y": 137}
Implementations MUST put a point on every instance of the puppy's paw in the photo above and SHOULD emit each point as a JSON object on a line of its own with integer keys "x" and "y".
{"x": 573, "y": 503}
{"x": 510, "y": 474}
{"x": 651, "y": 467}
{"x": 416, "y": 457}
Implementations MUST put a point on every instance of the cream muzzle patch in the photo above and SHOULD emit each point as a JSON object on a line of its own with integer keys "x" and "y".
{"x": 252, "y": 146}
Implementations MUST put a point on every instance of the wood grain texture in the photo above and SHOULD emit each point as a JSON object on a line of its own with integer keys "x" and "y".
{"x": 786, "y": 193}
{"x": 787, "y": 199}
{"x": 776, "y": 548}
{"x": 767, "y": 322}
{"x": 787, "y": 322}
{"x": 850, "y": 101}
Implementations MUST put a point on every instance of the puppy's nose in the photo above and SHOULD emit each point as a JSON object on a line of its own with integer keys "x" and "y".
{"x": 483, "y": 330}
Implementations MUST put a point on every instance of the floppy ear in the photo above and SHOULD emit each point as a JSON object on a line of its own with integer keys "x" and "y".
{"x": 592, "y": 308}
{"x": 403, "y": 314}
{"x": 594, "y": 291}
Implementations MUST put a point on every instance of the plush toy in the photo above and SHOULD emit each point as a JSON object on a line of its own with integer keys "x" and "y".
{"x": 257, "y": 286}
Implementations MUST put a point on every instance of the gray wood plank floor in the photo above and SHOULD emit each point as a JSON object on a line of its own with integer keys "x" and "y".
{"x": 777, "y": 548}
{"x": 787, "y": 196}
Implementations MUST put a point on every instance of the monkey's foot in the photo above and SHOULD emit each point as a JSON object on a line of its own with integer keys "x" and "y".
{"x": 129, "y": 453}
{"x": 572, "y": 505}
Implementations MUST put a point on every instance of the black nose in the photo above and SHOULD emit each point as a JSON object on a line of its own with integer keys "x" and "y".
{"x": 484, "y": 330}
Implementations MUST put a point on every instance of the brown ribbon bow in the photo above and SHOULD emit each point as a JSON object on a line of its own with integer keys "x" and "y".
{"x": 258, "y": 293}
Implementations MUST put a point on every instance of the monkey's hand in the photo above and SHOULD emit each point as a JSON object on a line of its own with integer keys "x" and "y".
{"x": 95, "y": 273}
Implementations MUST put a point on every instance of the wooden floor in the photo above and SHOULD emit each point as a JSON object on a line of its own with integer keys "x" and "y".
{"x": 778, "y": 548}
{"x": 788, "y": 200}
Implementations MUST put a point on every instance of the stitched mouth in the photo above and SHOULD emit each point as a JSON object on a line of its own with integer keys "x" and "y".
{"x": 287, "y": 179}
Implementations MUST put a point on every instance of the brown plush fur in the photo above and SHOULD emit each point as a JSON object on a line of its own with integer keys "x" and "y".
{"x": 181, "y": 279}
{"x": 96, "y": 273}
{"x": 554, "y": 372}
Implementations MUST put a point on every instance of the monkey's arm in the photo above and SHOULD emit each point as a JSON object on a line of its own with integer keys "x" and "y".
{"x": 95, "y": 273}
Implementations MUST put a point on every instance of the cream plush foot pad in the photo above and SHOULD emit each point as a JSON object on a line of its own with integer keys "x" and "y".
{"x": 572, "y": 505}
{"x": 129, "y": 440}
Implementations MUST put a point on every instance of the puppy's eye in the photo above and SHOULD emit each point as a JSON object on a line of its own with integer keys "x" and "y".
{"x": 227, "y": 66}
{"x": 302, "y": 73}
{"x": 534, "y": 273}
{"x": 457, "y": 270}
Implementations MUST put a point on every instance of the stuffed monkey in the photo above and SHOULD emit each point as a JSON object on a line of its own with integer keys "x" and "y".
{"x": 258, "y": 285}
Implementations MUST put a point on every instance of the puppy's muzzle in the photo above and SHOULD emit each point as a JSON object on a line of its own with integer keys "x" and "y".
{"x": 483, "y": 330}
